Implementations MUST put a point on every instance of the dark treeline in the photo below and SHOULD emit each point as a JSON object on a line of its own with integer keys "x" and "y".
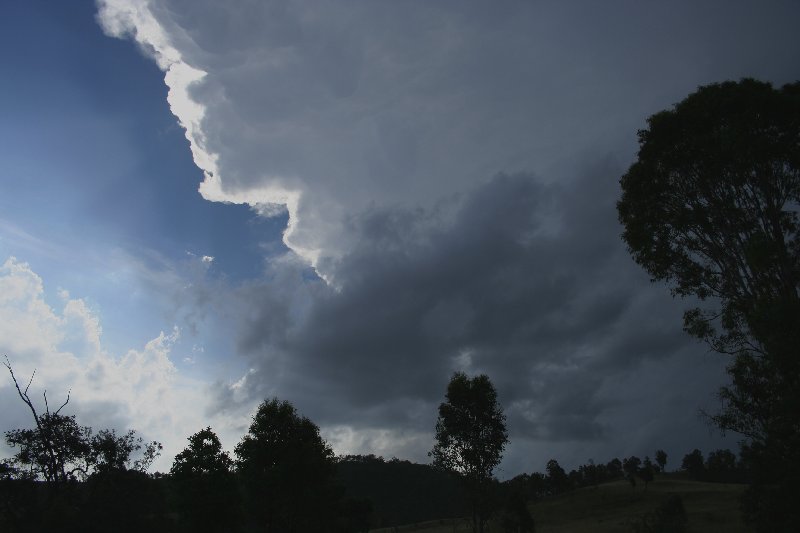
{"x": 281, "y": 477}
{"x": 401, "y": 492}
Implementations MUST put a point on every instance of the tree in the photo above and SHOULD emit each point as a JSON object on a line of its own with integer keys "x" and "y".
{"x": 206, "y": 493}
{"x": 203, "y": 456}
{"x": 711, "y": 207}
{"x": 661, "y": 459}
{"x": 288, "y": 471}
{"x": 56, "y": 450}
{"x": 614, "y": 467}
{"x": 470, "y": 439}
{"x": 590, "y": 473}
{"x": 556, "y": 477}
{"x": 112, "y": 453}
{"x": 693, "y": 464}
{"x": 646, "y": 471}
{"x": 59, "y": 450}
{"x": 721, "y": 467}
{"x": 631, "y": 468}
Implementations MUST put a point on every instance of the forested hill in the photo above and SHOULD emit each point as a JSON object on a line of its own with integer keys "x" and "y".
{"x": 401, "y": 492}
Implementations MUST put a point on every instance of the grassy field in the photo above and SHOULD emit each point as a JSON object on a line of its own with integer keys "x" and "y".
{"x": 710, "y": 507}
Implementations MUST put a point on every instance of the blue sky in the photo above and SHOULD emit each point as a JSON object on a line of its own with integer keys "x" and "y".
{"x": 95, "y": 162}
{"x": 390, "y": 192}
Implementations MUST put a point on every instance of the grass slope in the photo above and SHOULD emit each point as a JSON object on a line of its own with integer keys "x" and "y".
{"x": 611, "y": 507}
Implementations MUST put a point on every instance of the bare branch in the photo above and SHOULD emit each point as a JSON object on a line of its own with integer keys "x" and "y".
{"x": 29, "y": 382}
{"x": 23, "y": 395}
{"x": 65, "y": 402}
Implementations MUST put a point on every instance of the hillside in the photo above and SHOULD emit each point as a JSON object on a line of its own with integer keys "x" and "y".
{"x": 611, "y": 507}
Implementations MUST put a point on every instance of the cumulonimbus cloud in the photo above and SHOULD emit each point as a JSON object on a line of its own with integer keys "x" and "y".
{"x": 328, "y": 111}
{"x": 432, "y": 158}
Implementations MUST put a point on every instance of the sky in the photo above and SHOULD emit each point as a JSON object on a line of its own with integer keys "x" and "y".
{"x": 207, "y": 204}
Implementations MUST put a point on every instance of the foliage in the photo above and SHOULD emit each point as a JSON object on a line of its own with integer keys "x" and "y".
{"x": 204, "y": 455}
{"x": 57, "y": 450}
{"x": 661, "y": 459}
{"x": 60, "y": 450}
{"x": 711, "y": 207}
{"x": 288, "y": 471}
{"x": 110, "y": 452}
{"x": 470, "y": 438}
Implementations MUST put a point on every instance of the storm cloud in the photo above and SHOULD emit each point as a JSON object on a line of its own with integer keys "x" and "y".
{"x": 450, "y": 173}
{"x": 523, "y": 280}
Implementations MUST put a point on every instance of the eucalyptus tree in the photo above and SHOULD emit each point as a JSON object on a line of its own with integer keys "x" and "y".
{"x": 470, "y": 438}
{"x": 711, "y": 207}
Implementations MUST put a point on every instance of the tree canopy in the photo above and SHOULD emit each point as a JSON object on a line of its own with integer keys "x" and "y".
{"x": 287, "y": 468}
{"x": 204, "y": 455}
{"x": 711, "y": 207}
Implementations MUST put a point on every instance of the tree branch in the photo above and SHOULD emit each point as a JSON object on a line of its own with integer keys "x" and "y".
{"x": 65, "y": 402}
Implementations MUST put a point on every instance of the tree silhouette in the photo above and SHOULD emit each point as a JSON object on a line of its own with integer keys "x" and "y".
{"x": 631, "y": 468}
{"x": 711, "y": 207}
{"x": 288, "y": 472}
{"x": 661, "y": 459}
{"x": 693, "y": 464}
{"x": 556, "y": 477}
{"x": 56, "y": 450}
{"x": 721, "y": 466}
{"x": 646, "y": 471}
{"x": 204, "y": 455}
{"x": 111, "y": 452}
{"x": 470, "y": 439}
{"x": 205, "y": 487}
{"x": 614, "y": 468}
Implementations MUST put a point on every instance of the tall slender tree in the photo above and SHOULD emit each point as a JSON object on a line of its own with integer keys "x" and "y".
{"x": 470, "y": 438}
